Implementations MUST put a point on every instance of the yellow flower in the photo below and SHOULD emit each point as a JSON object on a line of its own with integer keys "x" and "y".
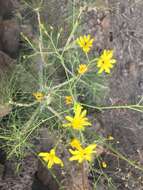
{"x": 81, "y": 154}
{"x": 104, "y": 164}
{"x": 82, "y": 69}
{"x": 39, "y": 96}
{"x": 79, "y": 121}
{"x": 75, "y": 144}
{"x": 105, "y": 61}
{"x": 85, "y": 42}
{"x": 68, "y": 100}
{"x": 50, "y": 158}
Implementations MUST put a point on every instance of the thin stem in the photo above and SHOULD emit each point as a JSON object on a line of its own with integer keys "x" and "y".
{"x": 140, "y": 100}
{"x": 55, "y": 113}
{"x": 21, "y": 104}
{"x": 135, "y": 107}
{"x": 131, "y": 162}
{"x": 83, "y": 177}
{"x": 41, "y": 70}
{"x": 75, "y": 25}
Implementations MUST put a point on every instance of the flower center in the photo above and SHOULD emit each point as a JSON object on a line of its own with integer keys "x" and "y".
{"x": 76, "y": 122}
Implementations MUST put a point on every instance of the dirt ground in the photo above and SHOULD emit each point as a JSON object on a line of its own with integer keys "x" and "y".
{"x": 118, "y": 24}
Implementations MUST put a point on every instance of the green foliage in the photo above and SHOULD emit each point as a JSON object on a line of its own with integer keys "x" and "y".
{"x": 50, "y": 65}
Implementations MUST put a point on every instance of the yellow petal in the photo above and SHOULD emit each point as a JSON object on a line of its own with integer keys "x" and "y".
{"x": 74, "y": 158}
{"x": 91, "y": 41}
{"x": 82, "y": 41}
{"x": 100, "y": 71}
{"x": 69, "y": 118}
{"x": 74, "y": 152}
{"x": 67, "y": 125}
{"x": 43, "y": 154}
{"x": 50, "y": 164}
{"x": 85, "y": 38}
{"x": 90, "y": 148}
{"x": 58, "y": 161}
{"x": 88, "y": 37}
{"x": 89, "y": 158}
{"x": 86, "y": 123}
{"x": 78, "y": 41}
{"x": 110, "y": 54}
{"x": 107, "y": 70}
{"x": 77, "y": 157}
{"x": 86, "y": 49}
{"x": 77, "y": 110}
{"x": 75, "y": 143}
{"x": 52, "y": 152}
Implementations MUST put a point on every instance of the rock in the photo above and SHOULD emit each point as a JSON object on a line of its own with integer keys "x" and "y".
{"x": 4, "y": 110}
{"x": 6, "y": 63}
{"x": 1, "y": 170}
{"x": 70, "y": 177}
{"x": 2, "y": 162}
{"x": 7, "y": 7}
{"x": 6, "y": 70}
{"x": 9, "y": 37}
{"x": 43, "y": 176}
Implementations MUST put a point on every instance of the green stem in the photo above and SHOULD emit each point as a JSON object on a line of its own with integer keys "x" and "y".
{"x": 135, "y": 107}
{"x": 41, "y": 70}
{"x": 55, "y": 113}
{"x": 21, "y": 104}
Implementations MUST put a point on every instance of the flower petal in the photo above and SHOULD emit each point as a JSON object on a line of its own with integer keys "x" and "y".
{"x": 50, "y": 164}
{"x": 74, "y": 152}
{"x": 90, "y": 148}
{"x": 43, "y": 154}
{"x": 69, "y": 118}
{"x": 58, "y": 161}
{"x": 75, "y": 143}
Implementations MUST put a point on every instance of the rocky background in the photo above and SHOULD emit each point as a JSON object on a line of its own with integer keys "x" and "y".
{"x": 116, "y": 24}
{"x": 9, "y": 28}
{"x": 9, "y": 46}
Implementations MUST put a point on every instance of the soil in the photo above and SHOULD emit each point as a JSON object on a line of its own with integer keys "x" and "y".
{"x": 117, "y": 24}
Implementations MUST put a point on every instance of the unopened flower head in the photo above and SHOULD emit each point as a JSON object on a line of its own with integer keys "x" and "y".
{"x": 81, "y": 154}
{"x": 85, "y": 42}
{"x": 82, "y": 69}
{"x": 68, "y": 100}
{"x": 39, "y": 96}
{"x": 79, "y": 121}
{"x": 110, "y": 138}
{"x": 50, "y": 158}
{"x": 105, "y": 61}
{"x": 104, "y": 164}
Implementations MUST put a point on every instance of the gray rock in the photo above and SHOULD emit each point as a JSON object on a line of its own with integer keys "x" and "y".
{"x": 6, "y": 62}
{"x": 7, "y": 7}
{"x": 9, "y": 37}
